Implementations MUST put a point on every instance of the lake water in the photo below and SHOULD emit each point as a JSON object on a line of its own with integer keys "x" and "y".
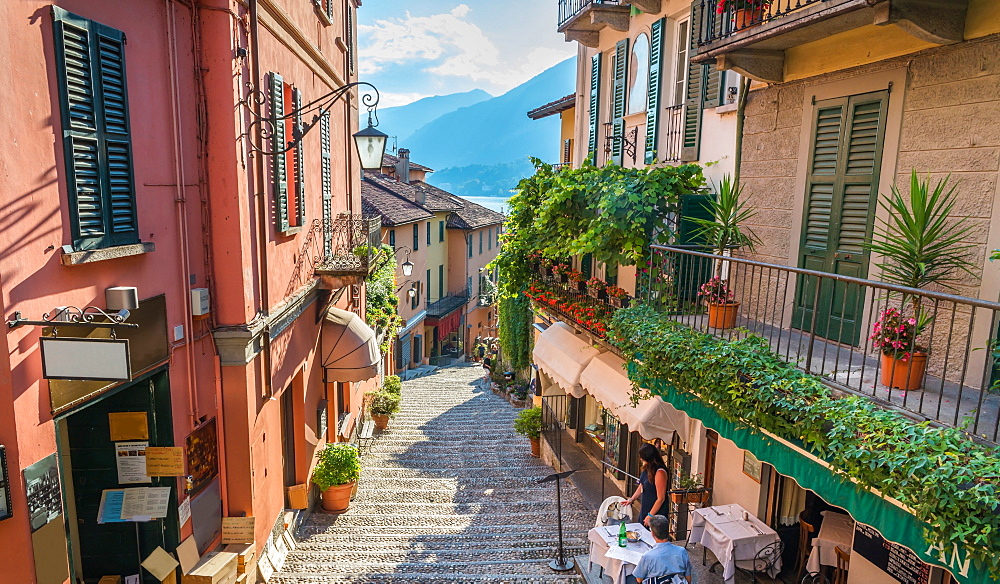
{"x": 498, "y": 204}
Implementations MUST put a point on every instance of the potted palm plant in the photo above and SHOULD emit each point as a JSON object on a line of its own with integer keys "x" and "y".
{"x": 529, "y": 424}
{"x": 920, "y": 246}
{"x": 724, "y": 230}
{"x": 336, "y": 473}
{"x": 383, "y": 405}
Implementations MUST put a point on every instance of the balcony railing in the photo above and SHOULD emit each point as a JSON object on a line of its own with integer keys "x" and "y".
{"x": 570, "y": 8}
{"x": 716, "y": 25}
{"x": 673, "y": 129}
{"x": 822, "y": 323}
{"x": 351, "y": 245}
{"x": 448, "y": 304}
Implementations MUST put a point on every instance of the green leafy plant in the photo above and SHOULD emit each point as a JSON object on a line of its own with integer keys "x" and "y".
{"x": 688, "y": 482}
{"x": 392, "y": 384}
{"x": 728, "y": 5}
{"x": 382, "y": 304}
{"x": 725, "y": 228}
{"x": 337, "y": 464}
{"x": 919, "y": 242}
{"x": 384, "y": 403}
{"x": 528, "y": 422}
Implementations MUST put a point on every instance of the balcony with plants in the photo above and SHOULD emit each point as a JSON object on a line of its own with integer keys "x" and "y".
{"x": 351, "y": 249}
{"x": 891, "y": 383}
{"x": 750, "y": 36}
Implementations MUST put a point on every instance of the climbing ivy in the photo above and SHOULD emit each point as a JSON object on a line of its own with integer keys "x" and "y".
{"x": 382, "y": 310}
{"x": 949, "y": 481}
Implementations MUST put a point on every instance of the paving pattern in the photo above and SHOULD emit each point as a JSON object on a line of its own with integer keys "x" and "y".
{"x": 448, "y": 493}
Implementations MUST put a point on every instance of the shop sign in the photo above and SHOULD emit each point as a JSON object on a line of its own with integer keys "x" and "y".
{"x": 85, "y": 359}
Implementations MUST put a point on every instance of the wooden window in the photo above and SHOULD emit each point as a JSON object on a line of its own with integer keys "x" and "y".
{"x": 441, "y": 231}
{"x": 620, "y": 67}
{"x": 392, "y": 238}
{"x": 97, "y": 141}
{"x": 653, "y": 92}
{"x": 428, "y": 233}
{"x": 595, "y": 105}
{"x": 416, "y": 237}
{"x": 326, "y": 172}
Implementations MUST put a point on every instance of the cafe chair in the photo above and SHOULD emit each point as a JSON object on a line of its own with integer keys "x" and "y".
{"x": 815, "y": 578}
{"x": 843, "y": 563}
{"x": 610, "y": 512}
{"x": 763, "y": 561}
{"x": 805, "y": 535}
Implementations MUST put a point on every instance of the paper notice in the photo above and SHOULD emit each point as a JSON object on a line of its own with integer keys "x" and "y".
{"x": 184, "y": 511}
{"x": 165, "y": 461}
{"x": 134, "y": 503}
{"x": 237, "y": 529}
{"x": 110, "y": 510}
{"x": 157, "y": 501}
{"x": 131, "y": 460}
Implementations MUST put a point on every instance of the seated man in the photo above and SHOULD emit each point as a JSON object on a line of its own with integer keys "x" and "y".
{"x": 665, "y": 558}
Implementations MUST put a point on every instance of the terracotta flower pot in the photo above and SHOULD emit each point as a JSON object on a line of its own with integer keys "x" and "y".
{"x": 722, "y": 316}
{"x": 381, "y": 422}
{"x": 906, "y": 375}
{"x": 536, "y": 447}
{"x": 743, "y": 18}
{"x": 337, "y": 498}
{"x": 689, "y": 497}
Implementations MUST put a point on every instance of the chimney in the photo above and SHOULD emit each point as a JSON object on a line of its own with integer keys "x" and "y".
{"x": 403, "y": 166}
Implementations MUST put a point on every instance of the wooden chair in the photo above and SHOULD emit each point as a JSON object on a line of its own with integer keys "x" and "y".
{"x": 843, "y": 563}
{"x": 763, "y": 561}
{"x": 815, "y": 578}
{"x": 805, "y": 536}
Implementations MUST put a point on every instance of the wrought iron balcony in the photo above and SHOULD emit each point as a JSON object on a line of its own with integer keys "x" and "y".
{"x": 582, "y": 20}
{"x": 823, "y": 323}
{"x": 351, "y": 246}
{"x": 752, "y": 41}
{"x": 448, "y": 304}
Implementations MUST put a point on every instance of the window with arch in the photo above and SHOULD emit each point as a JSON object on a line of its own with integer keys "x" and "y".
{"x": 638, "y": 75}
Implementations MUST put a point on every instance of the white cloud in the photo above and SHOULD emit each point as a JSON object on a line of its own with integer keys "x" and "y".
{"x": 395, "y": 99}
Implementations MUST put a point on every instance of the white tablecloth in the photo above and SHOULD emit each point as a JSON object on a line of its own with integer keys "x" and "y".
{"x": 836, "y": 531}
{"x": 603, "y": 539}
{"x": 723, "y": 530}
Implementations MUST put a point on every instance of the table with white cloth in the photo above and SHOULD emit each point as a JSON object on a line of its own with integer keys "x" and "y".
{"x": 618, "y": 562}
{"x": 732, "y": 539}
{"x": 836, "y": 531}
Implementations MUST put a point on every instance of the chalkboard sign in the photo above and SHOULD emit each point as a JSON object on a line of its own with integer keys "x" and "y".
{"x": 893, "y": 559}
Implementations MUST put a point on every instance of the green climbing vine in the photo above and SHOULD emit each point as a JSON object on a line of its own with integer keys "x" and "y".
{"x": 382, "y": 309}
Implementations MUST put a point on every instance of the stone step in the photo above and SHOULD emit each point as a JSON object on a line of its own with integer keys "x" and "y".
{"x": 456, "y": 555}
{"x": 480, "y": 507}
{"x": 477, "y": 530}
{"x": 416, "y": 541}
{"x": 497, "y": 568}
{"x": 427, "y": 578}
{"x": 448, "y": 520}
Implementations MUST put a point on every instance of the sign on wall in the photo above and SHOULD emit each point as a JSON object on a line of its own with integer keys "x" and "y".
{"x": 85, "y": 359}
{"x": 6, "y": 511}
{"x": 41, "y": 482}
{"x": 893, "y": 559}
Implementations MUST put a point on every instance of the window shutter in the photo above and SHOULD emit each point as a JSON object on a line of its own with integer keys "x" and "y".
{"x": 693, "y": 94}
{"x": 351, "y": 50}
{"x": 327, "y": 187}
{"x": 440, "y": 280}
{"x": 595, "y": 104}
{"x": 715, "y": 86}
{"x": 618, "y": 99}
{"x": 279, "y": 144}
{"x": 329, "y": 9}
{"x": 300, "y": 170}
{"x": 655, "y": 83}
{"x": 96, "y": 135}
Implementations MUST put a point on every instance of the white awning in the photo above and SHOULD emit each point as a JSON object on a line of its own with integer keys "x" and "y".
{"x": 350, "y": 347}
{"x": 562, "y": 355}
{"x": 605, "y": 379}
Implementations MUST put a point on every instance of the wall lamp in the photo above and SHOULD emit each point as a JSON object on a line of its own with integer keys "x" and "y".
{"x": 369, "y": 141}
{"x": 407, "y": 265}
{"x": 119, "y": 299}
{"x": 629, "y": 142}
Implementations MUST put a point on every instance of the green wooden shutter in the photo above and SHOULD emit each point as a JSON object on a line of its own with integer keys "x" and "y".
{"x": 715, "y": 86}
{"x": 279, "y": 144}
{"x": 326, "y": 172}
{"x": 693, "y": 92}
{"x": 300, "y": 169}
{"x": 351, "y": 50}
{"x": 618, "y": 99}
{"x": 655, "y": 84}
{"x": 329, "y": 9}
{"x": 90, "y": 60}
{"x": 595, "y": 105}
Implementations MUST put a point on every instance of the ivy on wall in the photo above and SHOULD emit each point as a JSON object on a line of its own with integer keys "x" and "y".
{"x": 948, "y": 481}
{"x": 382, "y": 310}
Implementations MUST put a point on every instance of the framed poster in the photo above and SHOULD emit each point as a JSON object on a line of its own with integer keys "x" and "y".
{"x": 6, "y": 512}
{"x": 751, "y": 466}
{"x": 202, "y": 456}
{"x": 41, "y": 481}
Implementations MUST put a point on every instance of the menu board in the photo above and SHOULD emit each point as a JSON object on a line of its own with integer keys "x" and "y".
{"x": 893, "y": 559}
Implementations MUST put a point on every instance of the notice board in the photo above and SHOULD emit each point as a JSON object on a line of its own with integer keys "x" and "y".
{"x": 893, "y": 559}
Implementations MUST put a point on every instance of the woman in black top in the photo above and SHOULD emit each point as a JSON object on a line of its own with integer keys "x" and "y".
{"x": 652, "y": 484}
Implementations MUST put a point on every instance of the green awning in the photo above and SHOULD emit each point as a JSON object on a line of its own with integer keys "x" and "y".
{"x": 895, "y": 524}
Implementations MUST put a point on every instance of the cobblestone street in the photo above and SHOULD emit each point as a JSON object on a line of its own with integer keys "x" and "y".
{"x": 448, "y": 493}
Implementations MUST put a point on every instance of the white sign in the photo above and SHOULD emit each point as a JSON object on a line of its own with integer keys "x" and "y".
{"x": 131, "y": 459}
{"x": 184, "y": 511}
{"x": 98, "y": 359}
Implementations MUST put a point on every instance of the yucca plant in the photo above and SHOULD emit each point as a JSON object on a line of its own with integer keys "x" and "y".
{"x": 725, "y": 228}
{"x": 919, "y": 242}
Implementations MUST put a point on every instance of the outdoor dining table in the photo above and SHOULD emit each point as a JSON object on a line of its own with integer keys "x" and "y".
{"x": 732, "y": 539}
{"x": 836, "y": 531}
{"x": 618, "y": 562}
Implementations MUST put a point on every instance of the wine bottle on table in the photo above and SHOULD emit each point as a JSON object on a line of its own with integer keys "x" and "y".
{"x": 622, "y": 538}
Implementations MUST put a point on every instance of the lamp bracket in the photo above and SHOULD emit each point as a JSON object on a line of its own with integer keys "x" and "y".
{"x": 629, "y": 146}
{"x": 73, "y": 316}
{"x": 265, "y": 124}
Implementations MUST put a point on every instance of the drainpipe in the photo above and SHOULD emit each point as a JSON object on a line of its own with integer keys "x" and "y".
{"x": 740, "y": 117}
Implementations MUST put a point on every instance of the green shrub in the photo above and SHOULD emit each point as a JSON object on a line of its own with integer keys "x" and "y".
{"x": 339, "y": 464}
{"x": 529, "y": 422}
{"x": 392, "y": 385}
{"x": 384, "y": 404}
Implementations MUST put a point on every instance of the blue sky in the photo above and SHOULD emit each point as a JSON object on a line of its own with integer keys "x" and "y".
{"x": 412, "y": 49}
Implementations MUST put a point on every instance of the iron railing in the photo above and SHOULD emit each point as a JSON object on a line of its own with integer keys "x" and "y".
{"x": 448, "y": 304}
{"x": 570, "y": 8}
{"x": 351, "y": 244}
{"x": 673, "y": 130}
{"x": 715, "y": 26}
{"x": 822, "y": 323}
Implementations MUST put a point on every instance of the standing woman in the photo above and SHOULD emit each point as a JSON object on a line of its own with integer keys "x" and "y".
{"x": 652, "y": 484}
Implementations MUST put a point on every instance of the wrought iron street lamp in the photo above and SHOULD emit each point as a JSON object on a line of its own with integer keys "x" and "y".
{"x": 407, "y": 265}
{"x": 370, "y": 142}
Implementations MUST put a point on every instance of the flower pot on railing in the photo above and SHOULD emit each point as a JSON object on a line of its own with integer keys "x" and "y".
{"x": 620, "y": 301}
{"x": 690, "y": 496}
{"x": 598, "y": 293}
{"x": 905, "y": 374}
{"x": 722, "y": 316}
{"x": 743, "y": 18}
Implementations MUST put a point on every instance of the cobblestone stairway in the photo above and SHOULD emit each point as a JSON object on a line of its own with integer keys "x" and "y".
{"x": 448, "y": 494}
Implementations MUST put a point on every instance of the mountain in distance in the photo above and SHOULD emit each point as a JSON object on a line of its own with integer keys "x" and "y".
{"x": 402, "y": 121}
{"x": 483, "y": 149}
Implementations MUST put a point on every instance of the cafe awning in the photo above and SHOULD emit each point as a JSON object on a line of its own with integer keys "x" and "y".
{"x": 606, "y": 379}
{"x": 349, "y": 347}
{"x": 562, "y": 355}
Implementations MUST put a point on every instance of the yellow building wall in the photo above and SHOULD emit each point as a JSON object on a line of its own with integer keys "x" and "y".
{"x": 982, "y": 19}
{"x": 566, "y": 119}
{"x": 437, "y": 255}
{"x": 858, "y": 46}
